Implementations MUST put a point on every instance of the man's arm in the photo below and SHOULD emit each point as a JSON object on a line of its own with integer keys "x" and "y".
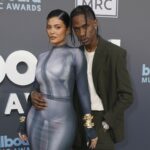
{"x": 123, "y": 91}
{"x": 37, "y": 100}
{"x": 36, "y": 97}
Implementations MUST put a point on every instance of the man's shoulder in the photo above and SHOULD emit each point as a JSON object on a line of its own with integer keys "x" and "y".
{"x": 112, "y": 48}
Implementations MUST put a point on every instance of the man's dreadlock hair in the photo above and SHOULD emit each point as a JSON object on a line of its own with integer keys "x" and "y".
{"x": 85, "y": 10}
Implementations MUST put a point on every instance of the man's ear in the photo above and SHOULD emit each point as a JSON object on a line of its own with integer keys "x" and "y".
{"x": 95, "y": 23}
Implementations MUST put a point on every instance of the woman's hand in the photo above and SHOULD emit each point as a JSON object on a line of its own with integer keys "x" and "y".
{"x": 23, "y": 137}
{"x": 92, "y": 143}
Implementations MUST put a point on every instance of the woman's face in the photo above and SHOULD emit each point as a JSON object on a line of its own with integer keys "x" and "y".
{"x": 57, "y": 31}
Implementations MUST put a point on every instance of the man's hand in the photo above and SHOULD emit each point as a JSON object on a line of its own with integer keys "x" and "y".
{"x": 37, "y": 100}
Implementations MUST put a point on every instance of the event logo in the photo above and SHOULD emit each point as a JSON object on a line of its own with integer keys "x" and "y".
{"x": 8, "y": 143}
{"x": 145, "y": 74}
{"x": 21, "y": 5}
{"x": 9, "y": 67}
{"x": 1, "y": 4}
{"x": 102, "y": 8}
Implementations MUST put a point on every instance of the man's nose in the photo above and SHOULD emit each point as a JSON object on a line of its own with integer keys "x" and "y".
{"x": 82, "y": 32}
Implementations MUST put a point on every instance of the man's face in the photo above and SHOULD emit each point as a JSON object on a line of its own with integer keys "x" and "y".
{"x": 86, "y": 32}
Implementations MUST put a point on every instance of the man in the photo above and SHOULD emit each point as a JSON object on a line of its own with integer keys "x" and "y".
{"x": 109, "y": 83}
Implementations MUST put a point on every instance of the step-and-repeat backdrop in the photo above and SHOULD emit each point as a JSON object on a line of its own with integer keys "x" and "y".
{"x": 23, "y": 37}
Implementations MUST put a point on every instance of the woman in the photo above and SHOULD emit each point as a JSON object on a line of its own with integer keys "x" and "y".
{"x": 57, "y": 70}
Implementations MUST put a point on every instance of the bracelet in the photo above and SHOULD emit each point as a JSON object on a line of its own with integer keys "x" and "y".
{"x": 88, "y": 125}
{"x": 87, "y": 117}
{"x": 22, "y": 119}
{"x": 88, "y": 121}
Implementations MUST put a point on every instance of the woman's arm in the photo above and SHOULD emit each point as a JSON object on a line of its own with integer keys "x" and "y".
{"x": 84, "y": 96}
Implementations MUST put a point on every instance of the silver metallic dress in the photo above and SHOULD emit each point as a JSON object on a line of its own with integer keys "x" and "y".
{"x": 57, "y": 71}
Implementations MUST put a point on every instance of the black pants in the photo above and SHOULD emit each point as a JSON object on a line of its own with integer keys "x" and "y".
{"x": 105, "y": 141}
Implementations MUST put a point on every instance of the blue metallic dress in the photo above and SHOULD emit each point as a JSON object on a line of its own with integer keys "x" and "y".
{"x": 57, "y": 71}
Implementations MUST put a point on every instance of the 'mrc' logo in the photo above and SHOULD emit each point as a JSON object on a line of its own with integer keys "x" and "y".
{"x": 145, "y": 74}
{"x": 102, "y": 8}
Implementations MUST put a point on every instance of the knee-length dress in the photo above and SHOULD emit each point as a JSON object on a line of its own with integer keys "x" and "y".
{"x": 56, "y": 73}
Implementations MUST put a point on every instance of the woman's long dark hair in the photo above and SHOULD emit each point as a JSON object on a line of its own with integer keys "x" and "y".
{"x": 62, "y": 15}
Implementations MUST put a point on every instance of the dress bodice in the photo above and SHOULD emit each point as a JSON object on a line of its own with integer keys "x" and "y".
{"x": 58, "y": 70}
